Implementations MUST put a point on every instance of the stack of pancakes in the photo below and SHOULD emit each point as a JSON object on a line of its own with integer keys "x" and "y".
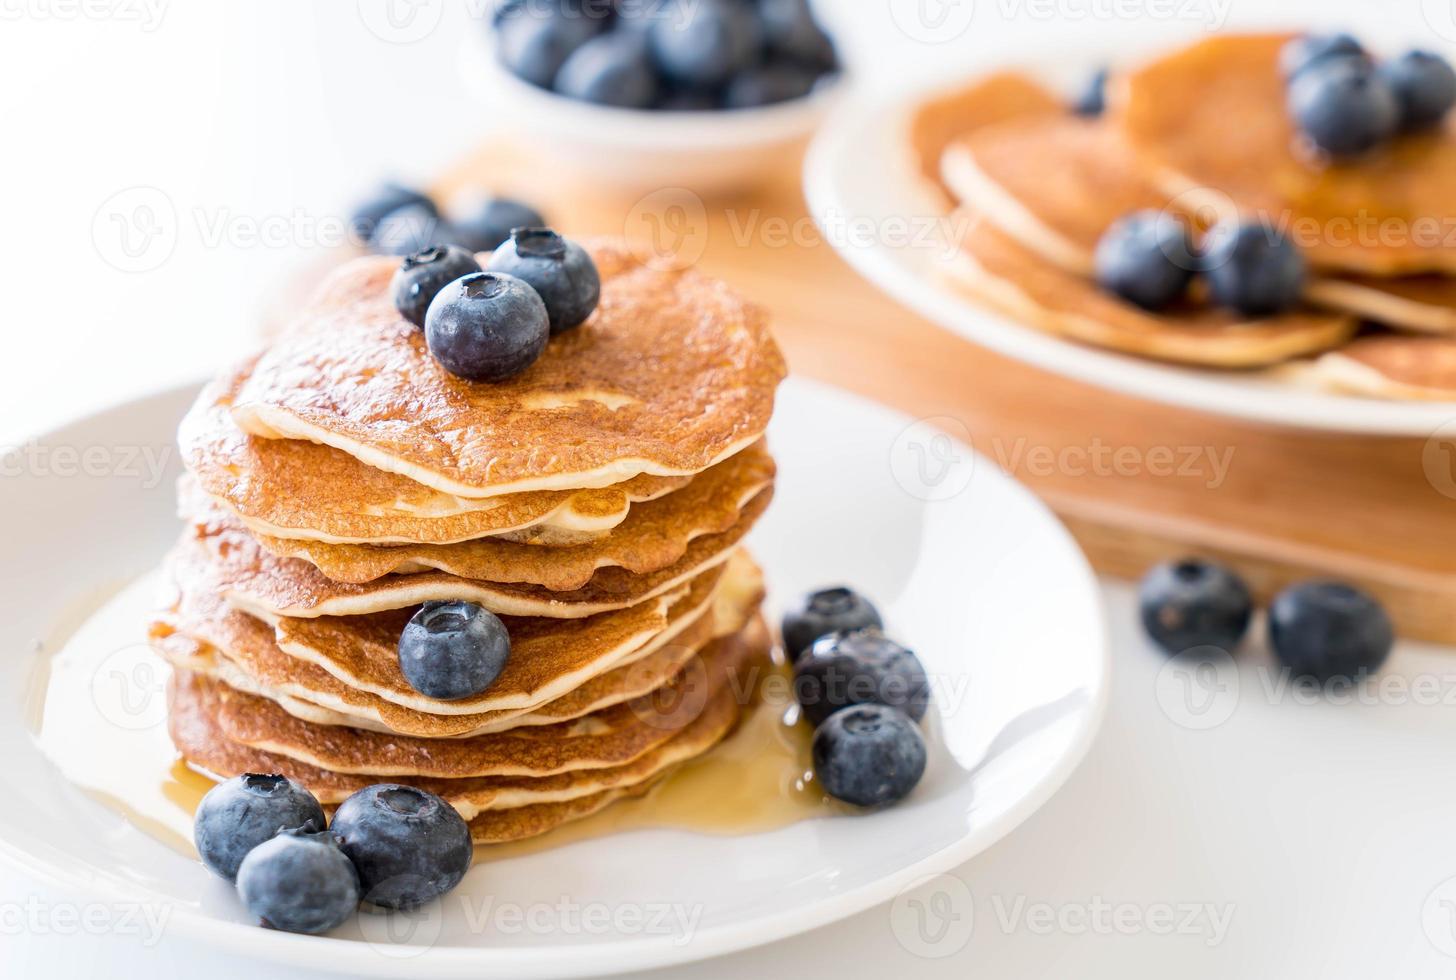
{"x": 1202, "y": 132}
{"x": 596, "y": 503}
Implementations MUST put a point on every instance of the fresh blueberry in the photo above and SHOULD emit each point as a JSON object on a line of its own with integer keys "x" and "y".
{"x": 534, "y": 41}
{"x": 1344, "y": 106}
{"x": 487, "y": 327}
{"x": 388, "y": 198}
{"x": 299, "y": 882}
{"x": 490, "y": 222}
{"x": 705, "y": 42}
{"x": 611, "y": 69}
{"x": 1252, "y": 268}
{"x": 409, "y": 846}
{"x": 1312, "y": 49}
{"x": 1093, "y": 100}
{"x": 861, "y": 667}
{"x": 422, "y": 275}
{"x": 769, "y": 85}
{"x": 689, "y": 100}
{"x": 559, "y": 270}
{"x": 238, "y": 815}
{"x": 791, "y": 31}
{"x": 1194, "y": 603}
{"x": 869, "y": 755}
{"x": 1424, "y": 85}
{"x": 836, "y": 610}
{"x": 1327, "y": 631}
{"x": 412, "y": 228}
{"x": 453, "y": 650}
{"x": 1146, "y": 258}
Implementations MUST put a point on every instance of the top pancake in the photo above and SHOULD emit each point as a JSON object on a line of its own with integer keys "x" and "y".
{"x": 673, "y": 373}
{"x": 293, "y": 489}
{"x": 1211, "y": 120}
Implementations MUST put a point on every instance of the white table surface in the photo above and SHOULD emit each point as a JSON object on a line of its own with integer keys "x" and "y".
{"x": 1291, "y": 840}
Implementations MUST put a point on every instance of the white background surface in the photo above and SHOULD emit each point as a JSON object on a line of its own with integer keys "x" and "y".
{"x": 1321, "y": 829}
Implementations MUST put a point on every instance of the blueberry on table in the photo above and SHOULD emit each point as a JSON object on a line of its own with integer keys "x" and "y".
{"x": 705, "y": 42}
{"x": 1253, "y": 268}
{"x": 299, "y": 882}
{"x": 410, "y": 229}
{"x": 1093, "y": 99}
{"x": 611, "y": 69}
{"x": 869, "y": 755}
{"x": 769, "y": 85}
{"x": 422, "y": 275}
{"x": 487, "y": 327}
{"x": 1424, "y": 85}
{"x": 791, "y": 31}
{"x": 409, "y": 846}
{"x": 490, "y": 222}
{"x": 533, "y": 41}
{"x": 1344, "y": 106}
{"x": 237, "y": 815}
{"x": 559, "y": 270}
{"x": 836, "y": 610}
{"x": 1194, "y": 603}
{"x": 1328, "y": 631}
{"x": 453, "y": 650}
{"x": 387, "y": 198}
{"x": 1145, "y": 258}
{"x": 1313, "y": 49}
{"x": 860, "y": 667}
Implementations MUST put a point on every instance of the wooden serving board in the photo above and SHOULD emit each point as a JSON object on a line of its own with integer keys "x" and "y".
{"x": 1136, "y": 482}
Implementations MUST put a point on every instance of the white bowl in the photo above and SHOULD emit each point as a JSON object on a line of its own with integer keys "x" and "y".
{"x": 643, "y": 150}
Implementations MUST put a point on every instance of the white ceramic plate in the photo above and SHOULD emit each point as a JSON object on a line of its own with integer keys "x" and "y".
{"x": 856, "y": 176}
{"x": 968, "y": 567}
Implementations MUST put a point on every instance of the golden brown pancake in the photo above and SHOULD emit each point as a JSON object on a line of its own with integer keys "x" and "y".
{"x": 656, "y": 534}
{"x": 1418, "y": 304}
{"x": 1004, "y": 274}
{"x": 1211, "y": 123}
{"x": 673, "y": 373}
{"x": 294, "y": 489}
{"x": 1390, "y": 367}
{"x": 946, "y": 116}
{"x": 271, "y": 587}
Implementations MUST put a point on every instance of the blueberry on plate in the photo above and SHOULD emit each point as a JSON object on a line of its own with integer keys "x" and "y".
{"x": 1424, "y": 85}
{"x": 769, "y": 85}
{"x": 409, "y": 846}
{"x": 487, "y": 327}
{"x": 1344, "y": 106}
{"x": 412, "y": 228}
{"x": 792, "y": 32}
{"x": 836, "y": 610}
{"x": 453, "y": 650}
{"x": 1252, "y": 268}
{"x": 1194, "y": 603}
{"x": 1093, "y": 99}
{"x": 611, "y": 69}
{"x": 299, "y": 881}
{"x": 1145, "y": 258}
{"x": 489, "y": 223}
{"x": 1329, "y": 631}
{"x": 559, "y": 270}
{"x": 705, "y": 42}
{"x": 237, "y": 815}
{"x": 860, "y": 667}
{"x": 1312, "y": 49}
{"x": 387, "y": 198}
{"x": 869, "y": 755}
{"x": 422, "y": 275}
{"x": 533, "y": 41}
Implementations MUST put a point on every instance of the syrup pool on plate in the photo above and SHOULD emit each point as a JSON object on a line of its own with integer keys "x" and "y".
{"x": 100, "y": 716}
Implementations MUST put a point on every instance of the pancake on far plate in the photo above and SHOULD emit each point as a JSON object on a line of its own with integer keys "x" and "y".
{"x": 1388, "y": 366}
